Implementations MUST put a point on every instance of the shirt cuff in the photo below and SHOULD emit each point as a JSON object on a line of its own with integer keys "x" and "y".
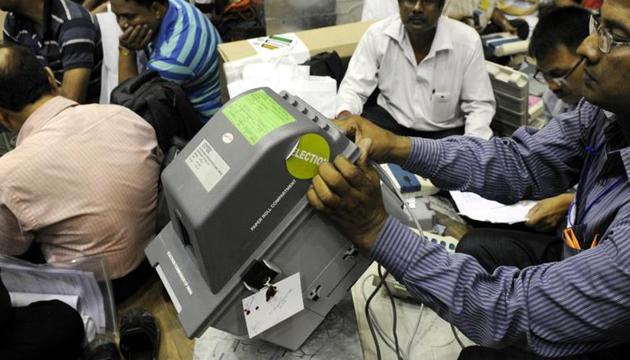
{"x": 348, "y": 103}
{"x": 396, "y": 247}
{"x": 424, "y": 157}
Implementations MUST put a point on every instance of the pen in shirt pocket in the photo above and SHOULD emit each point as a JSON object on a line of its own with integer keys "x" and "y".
{"x": 570, "y": 239}
{"x": 595, "y": 241}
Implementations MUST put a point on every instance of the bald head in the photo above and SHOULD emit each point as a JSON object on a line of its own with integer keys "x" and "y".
{"x": 23, "y": 80}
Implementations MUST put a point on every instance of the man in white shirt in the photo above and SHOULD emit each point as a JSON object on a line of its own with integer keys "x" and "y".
{"x": 430, "y": 72}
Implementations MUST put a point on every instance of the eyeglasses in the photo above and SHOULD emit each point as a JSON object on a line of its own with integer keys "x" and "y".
{"x": 605, "y": 39}
{"x": 412, "y": 3}
{"x": 545, "y": 79}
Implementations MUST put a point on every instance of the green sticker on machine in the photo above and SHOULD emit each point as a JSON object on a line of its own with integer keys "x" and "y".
{"x": 256, "y": 114}
{"x": 311, "y": 151}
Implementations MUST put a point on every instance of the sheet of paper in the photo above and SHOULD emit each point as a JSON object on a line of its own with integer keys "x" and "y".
{"x": 480, "y": 209}
{"x": 19, "y": 299}
{"x": 266, "y": 309}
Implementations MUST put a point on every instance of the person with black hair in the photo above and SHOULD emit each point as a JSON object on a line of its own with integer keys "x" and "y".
{"x": 65, "y": 37}
{"x": 82, "y": 180}
{"x": 430, "y": 71}
{"x": 181, "y": 45}
{"x": 554, "y": 45}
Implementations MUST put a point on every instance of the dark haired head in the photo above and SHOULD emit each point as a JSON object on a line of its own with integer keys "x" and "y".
{"x": 567, "y": 26}
{"x": 23, "y": 80}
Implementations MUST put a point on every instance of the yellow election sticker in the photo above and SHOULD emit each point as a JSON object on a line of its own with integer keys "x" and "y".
{"x": 310, "y": 151}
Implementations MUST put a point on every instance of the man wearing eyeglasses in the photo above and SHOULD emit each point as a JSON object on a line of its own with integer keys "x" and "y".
{"x": 576, "y": 307}
{"x": 554, "y": 46}
{"x": 430, "y": 72}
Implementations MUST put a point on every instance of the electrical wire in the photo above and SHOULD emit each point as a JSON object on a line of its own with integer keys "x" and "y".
{"x": 369, "y": 320}
{"x": 385, "y": 179}
{"x": 414, "y": 334}
{"x": 394, "y": 315}
{"x": 388, "y": 341}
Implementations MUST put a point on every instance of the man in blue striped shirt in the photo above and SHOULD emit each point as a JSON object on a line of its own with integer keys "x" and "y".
{"x": 181, "y": 45}
{"x": 577, "y": 307}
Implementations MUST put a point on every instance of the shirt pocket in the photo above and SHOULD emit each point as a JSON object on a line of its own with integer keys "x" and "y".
{"x": 443, "y": 107}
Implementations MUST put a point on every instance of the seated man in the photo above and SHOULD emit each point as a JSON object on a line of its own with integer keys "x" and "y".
{"x": 430, "y": 72}
{"x": 82, "y": 180}
{"x": 574, "y": 307}
{"x": 64, "y": 37}
{"x": 181, "y": 44}
{"x": 554, "y": 45}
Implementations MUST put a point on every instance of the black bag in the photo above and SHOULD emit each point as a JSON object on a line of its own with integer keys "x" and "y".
{"x": 162, "y": 104}
{"x": 328, "y": 64}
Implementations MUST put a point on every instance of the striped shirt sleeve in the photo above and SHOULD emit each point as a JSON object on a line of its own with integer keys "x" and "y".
{"x": 529, "y": 165}
{"x": 171, "y": 69}
{"x": 78, "y": 39}
{"x": 556, "y": 309}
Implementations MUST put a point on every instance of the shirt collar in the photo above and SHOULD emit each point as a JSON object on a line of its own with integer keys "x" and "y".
{"x": 168, "y": 22}
{"x": 619, "y": 149}
{"x": 40, "y": 117}
{"x": 442, "y": 40}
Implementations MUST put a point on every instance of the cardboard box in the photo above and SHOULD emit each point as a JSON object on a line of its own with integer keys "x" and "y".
{"x": 340, "y": 38}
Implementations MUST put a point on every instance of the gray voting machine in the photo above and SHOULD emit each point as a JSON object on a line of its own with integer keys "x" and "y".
{"x": 240, "y": 218}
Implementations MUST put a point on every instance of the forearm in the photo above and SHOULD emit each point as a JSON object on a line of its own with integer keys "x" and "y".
{"x": 92, "y": 4}
{"x": 499, "y": 19}
{"x": 544, "y": 308}
{"x": 127, "y": 66}
{"x": 527, "y": 166}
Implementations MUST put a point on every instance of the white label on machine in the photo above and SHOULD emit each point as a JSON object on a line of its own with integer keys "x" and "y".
{"x": 169, "y": 289}
{"x": 273, "y": 304}
{"x": 207, "y": 165}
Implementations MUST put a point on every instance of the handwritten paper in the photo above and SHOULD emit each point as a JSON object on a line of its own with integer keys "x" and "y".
{"x": 272, "y": 305}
